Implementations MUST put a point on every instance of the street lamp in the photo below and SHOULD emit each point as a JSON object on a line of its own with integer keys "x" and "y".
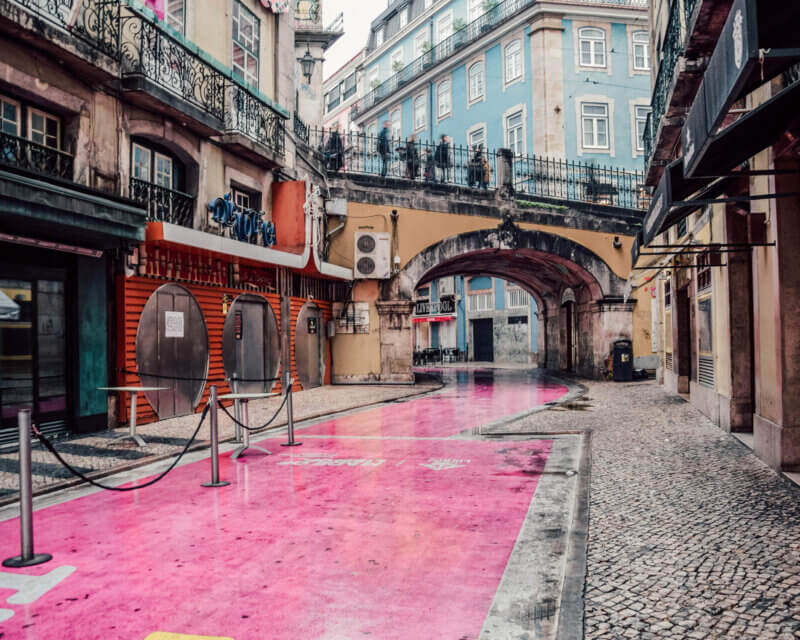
{"x": 307, "y": 65}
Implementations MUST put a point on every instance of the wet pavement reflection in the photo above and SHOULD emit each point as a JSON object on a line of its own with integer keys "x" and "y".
{"x": 405, "y": 536}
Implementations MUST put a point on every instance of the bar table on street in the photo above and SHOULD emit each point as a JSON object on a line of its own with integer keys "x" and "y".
{"x": 243, "y": 398}
{"x": 134, "y": 391}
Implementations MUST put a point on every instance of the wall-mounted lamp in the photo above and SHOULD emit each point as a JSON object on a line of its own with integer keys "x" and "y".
{"x": 397, "y": 264}
{"x": 617, "y": 242}
{"x": 307, "y": 63}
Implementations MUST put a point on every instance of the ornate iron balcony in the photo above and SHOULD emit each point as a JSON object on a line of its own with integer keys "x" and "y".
{"x": 163, "y": 204}
{"x": 152, "y": 53}
{"x": 25, "y": 154}
{"x": 300, "y": 128}
{"x": 93, "y": 21}
{"x": 248, "y": 115}
{"x": 672, "y": 51}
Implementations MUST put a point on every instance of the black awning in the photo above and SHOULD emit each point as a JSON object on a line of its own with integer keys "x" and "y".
{"x": 752, "y": 133}
{"x": 671, "y": 201}
{"x": 758, "y": 42}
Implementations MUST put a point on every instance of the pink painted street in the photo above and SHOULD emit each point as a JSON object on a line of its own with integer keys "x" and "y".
{"x": 382, "y": 524}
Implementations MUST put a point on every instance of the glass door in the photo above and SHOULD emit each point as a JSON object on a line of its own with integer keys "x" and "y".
{"x": 33, "y": 352}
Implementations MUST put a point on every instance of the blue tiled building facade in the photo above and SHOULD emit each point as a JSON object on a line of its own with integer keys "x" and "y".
{"x": 566, "y": 79}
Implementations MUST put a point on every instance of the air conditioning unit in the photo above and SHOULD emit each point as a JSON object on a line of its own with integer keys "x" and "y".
{"x": 373, "y": 255}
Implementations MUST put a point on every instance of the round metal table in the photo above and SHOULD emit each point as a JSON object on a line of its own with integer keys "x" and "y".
{"x": 134, "y": 391}
{"x": 242, "y": 416}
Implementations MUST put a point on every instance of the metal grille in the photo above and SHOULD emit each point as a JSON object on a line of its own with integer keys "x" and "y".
{"x": 668, "y": 361}
{"x": 705, "y": 371}
{"x": 163, "y": 204}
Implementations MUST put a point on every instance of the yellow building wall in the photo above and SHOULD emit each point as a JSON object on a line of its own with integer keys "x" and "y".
{"x": 419, "y": 229}
{"x": 359, "y": 354}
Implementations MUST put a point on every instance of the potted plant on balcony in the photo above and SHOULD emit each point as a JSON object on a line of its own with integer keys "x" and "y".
{"x": 459, "y": 33}
{"x": 491, "y": 14}
{"x": 427, "y": 55}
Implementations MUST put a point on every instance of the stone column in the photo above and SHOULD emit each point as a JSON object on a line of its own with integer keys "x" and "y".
{"x": 397, "y": 340}
{"x": 547, "y": 32}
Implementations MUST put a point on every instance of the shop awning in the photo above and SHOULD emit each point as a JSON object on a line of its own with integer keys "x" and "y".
{"x": 673, "y": 201}
{"x": 65, "y": 212}
{"x": 758, "y": 43}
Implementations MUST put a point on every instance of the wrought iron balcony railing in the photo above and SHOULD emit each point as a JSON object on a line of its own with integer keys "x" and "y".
{"x": 462, "y": 166}
{"x": 442, "y": 307}
{"x": 672, "y": 51}
{"x": 26, "y": 154}
{"x": 96, "y": 22}
{"x": 163, "y": 204}
{"x": 248, "y": 115}
{"x": 462, "y": 37}
{"x": 300, "y": 128}
{"x": 150, "y": 52}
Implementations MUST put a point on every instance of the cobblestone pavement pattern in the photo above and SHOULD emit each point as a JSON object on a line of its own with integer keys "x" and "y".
{"x": 103, "y": 452}
{"x": 690, "y": 535}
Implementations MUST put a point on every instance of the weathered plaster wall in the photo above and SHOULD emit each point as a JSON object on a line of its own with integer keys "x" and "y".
{"x": 358, "y": 355}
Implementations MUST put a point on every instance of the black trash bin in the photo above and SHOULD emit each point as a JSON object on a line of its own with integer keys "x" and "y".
{"x": 623, "y": 361}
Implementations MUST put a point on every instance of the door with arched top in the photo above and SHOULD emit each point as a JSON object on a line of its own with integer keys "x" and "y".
{"x": 172, "y": 351}
{"x": 251, "y": 345}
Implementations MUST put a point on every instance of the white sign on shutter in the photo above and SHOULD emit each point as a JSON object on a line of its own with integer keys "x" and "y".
{"x": 173, "y": 324}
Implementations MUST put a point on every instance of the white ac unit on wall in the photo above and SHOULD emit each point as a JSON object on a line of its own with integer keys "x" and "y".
{"x": 372, "y": 255}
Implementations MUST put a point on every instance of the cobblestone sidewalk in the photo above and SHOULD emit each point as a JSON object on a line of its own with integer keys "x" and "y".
{"x": 105, "y": 452}
{"x": 690, "y": 535}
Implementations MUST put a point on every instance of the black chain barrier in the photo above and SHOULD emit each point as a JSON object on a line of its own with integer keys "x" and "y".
{"x": 49, "y": 446}
{"x": 190, "y": 379}
{"x": 262, "y": 427}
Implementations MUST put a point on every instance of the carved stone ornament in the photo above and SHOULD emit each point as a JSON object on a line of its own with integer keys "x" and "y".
{"x": 508, "y": 233}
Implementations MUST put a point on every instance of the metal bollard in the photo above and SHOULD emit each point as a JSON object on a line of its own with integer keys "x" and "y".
{"x": 290, "y": 418}
{"x": 27, "y": 557}
{"x": 237, "y": 410}
{"x": 215, "y": 481}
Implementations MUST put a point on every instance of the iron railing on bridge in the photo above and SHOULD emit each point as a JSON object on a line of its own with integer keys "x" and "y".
{"x": 26, "y": 154}
{"x": 462, "y": 166}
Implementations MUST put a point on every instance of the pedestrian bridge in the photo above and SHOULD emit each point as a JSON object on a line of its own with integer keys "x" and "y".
{"x": 571, "y": 255}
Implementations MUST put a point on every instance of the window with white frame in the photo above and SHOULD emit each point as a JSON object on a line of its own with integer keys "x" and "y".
{"x": 163, "y": 171}
{"x": 349, "y": 86}
{"x": 641, "y": 50}
{"x": 443, "y": 99}
{"x": 515, "y": 136}
{"x": 396, "y": 127}
{"x": 475, "y": 9}
{"x": 404, "y": 17}
{"x": 175, "y": 15}
{"x": 594, "y": 122}
{"x": 378, "y": 37}
{"x": 513, "y": 61}
{"x": 246, "y": 29}
{"x": 245, "y": 198}
{"x": 373, "y": 77}
{"x": 640, "y": 113}
{"x": 476, "y": 137}
{"x": 444, "y": 26}
{"x": 44, "y": 129}
{"x": 592, "y": 46}
{"x": 516, "y": 298}
{"x": 420, "y": 109}
{"x": 478, "y": 302}
{"x": 10, "y": 116}
{"x": 420, "y": 40}
{"x": 372, "y": 137}
{"x": 153, "y": 167}
{"x": 397, "y": 59}
{"x": 142, "y": 163}
{"x": 476, "y": 82}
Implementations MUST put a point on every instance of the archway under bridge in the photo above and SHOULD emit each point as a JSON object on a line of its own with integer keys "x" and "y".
{"x": 581, "y": 308}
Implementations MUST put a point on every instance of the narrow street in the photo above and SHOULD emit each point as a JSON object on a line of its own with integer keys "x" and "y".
{"x": 401, "y": 521}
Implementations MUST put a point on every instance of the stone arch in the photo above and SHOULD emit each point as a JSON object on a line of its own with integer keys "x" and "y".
{"x": 545, "y": 265}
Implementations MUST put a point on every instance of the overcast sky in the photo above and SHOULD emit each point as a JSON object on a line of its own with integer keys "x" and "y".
{"x": 358, "y": 14}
